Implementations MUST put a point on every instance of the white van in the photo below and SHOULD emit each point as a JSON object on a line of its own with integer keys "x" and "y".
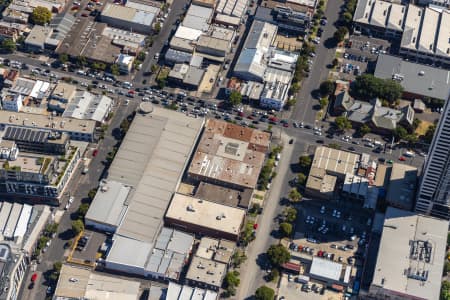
{"x": 409, "y": 154}
{"x": 278, "y": 156}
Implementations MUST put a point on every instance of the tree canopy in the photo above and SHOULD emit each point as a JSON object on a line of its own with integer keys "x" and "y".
{"x": 8, "y": 46}
{"x": 264, "y": 293}
{"x": 342, "y": 123}
{"x": 40, "y": 16}
{"x": 327, "y": 88}
{"x": 77, "y": 226}
{"x": 304, "y": 161}
{"x": 368, "y": 87}
{"x": 364, "y": 129}
{"x": 445, "y": 290}
{"x": 278, "y": 255}
{"x": 235, "y": 98}
{"x": 286, "y": 229}
{"x": 295, "y": 195}
{"x": 340, "y": 33}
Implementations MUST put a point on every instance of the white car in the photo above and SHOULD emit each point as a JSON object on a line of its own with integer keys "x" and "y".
{"x": 67, "y": 206}
{"x": 145, "y": 99}
{"x": 71, "y": 199}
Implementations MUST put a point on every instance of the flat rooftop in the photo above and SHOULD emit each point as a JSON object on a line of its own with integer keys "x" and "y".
{"x": 152, "y": 159}
{"x": 223, "y": 195}
{"x": 402, "y": 186}
{"x": 399, "y": 268}
{"x": 80, "y": 283}
{"x": 205, "y": 214}
{"x": 207, "y": 271}
{"x": 46, "y": 122}
{"x": 335, "y": 161}
{"x": 417, "y": 78}
{"x": 230, "y": 153}
{"x": 325, "y": 268}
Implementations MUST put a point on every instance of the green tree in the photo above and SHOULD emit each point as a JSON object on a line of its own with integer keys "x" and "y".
{"x": 445, "y": 290}
{"x": 416, "y": 123}
{"x": 347, "y": 17}
{"x": 323, "y": 102}
{"x": 400, "y": 133}
{"x": 274, "y": 275}
{"x": 301, "y": 179}
{"x": 235, "y": 98}
{"x": 81, "y": 61}
{"x": 63, "y": 58}
{"x": 51, "y": 229}
{"x": 335, "y": 62}
{"x": 231, "y": 282}
{"x": 285, "y": 229}
{"x": 294, "y": 195}
{"x": 342, "y": 123}
{"x": 238, "y": 258}
{"x": 364, "y": 129}
{"x": 264, "y": 293}
{"x": 154, "y": 68}
{"x": 304, "y": 161}
{"x": 368, "y": 87}
{"x": 340, "y": 34}
{"x": 91, "y": 194}
{"x": 114, "y": 69}
{"x": 141, "y": 56}
{"x": 77, "y": 226}
{"x": 157, "y": 27}
{"x": 290, "y": 214}
{"x": 428, "y": 137}
{"x": 327, "y": 88}
{"x": 83, "y": 209}
{"x": 98, "y": 66}
{"x": 278, "y": 255}
{"x": 40, "y": 16}
{"x": 57, "y": 267}
{"x": 8, "y": 46}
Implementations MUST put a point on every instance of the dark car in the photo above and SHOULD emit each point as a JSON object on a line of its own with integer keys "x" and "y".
{"x": 291, "y": 141}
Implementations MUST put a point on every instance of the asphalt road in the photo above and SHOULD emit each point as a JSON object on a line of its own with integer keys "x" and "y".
{"x": 304, "y": 109}
{"x": 251, "y": 271}
{"x": 79, "y": 186}
{"x": 177, "y": 9}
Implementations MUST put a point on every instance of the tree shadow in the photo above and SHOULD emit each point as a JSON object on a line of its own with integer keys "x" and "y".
{"x": 66, "y": 235}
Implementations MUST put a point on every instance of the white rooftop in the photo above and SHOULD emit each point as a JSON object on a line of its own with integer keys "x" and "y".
{"x": 326, "y": 268}
{"x": 396, "y": 255}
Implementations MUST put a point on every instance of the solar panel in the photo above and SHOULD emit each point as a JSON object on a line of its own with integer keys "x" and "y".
{"x": 26, "y": 135}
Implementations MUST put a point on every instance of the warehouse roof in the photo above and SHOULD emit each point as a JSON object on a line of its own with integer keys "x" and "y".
{"x": 151, "y": 159}
{"x": 120, "y": 253}
{"x": 224, "y": 195}
{"x": 185, "y": 292}
{"x": 87, "y": 106}
{"x": 198, "y": 17}
{"x": 336, "y": 161}
{"x": 213, "y": 43}
{"x": 206, "y": 214}
{"x": 415, "y": 78}
{"x": 129, "y": 14}
{"x": 109, "y": 204}
{"x": 399, "y": 268}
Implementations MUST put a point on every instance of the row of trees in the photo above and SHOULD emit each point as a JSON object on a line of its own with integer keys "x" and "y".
{"x": 368, "y": 87}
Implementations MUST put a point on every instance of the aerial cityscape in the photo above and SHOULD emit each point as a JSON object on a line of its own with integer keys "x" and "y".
{"x": 225, "y": 149}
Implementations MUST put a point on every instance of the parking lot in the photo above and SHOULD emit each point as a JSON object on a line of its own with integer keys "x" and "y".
{"x": 87, "y": 248}
{"x": 290, "y": 289}
{"x": 360, "y": 56}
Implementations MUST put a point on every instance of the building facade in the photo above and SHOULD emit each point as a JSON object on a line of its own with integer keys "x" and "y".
{"x": 434, "y": 191}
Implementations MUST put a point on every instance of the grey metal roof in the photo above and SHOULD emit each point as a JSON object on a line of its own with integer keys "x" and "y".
{"x": 109, "y": 205}
{"x": 176, "y": 56}
{"x": 418, "y": 79}
{"x": 152, "y": 159}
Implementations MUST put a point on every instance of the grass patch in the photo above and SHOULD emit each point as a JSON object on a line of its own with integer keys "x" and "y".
{"x": 259, "y": 197}
{"x": 422, "y": 129}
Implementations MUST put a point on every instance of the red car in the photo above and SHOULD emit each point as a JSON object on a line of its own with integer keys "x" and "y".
{"x": 255, "y": 226}
{"x": 94, "y": 153}
{"x": 402, "y": 158}
{"x": 240, "y": 114}
{"x": 34, "y": 277}
{"x": 250, "y": 117}
{"x": 273, "y": 119}
{"x": 285, "y": 125}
